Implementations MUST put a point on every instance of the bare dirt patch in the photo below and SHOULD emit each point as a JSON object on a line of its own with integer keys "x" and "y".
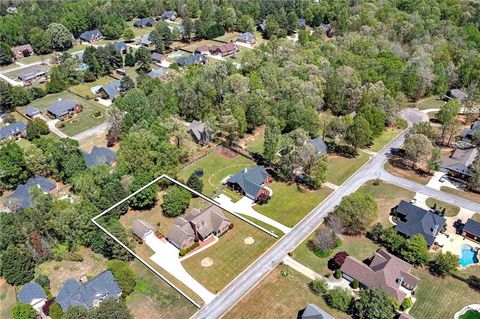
{"x": 225, "y": 152}
{"x": 206, "y": 262}
{"x": 249, "y": 240}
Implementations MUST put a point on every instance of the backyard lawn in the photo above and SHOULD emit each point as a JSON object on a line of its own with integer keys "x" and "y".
{"x": 8, "y": 298}
{"x": 441, "y": 298}
{"x": 228, "y": 37}
{"x": 237, "y": 57}
{"x": 36, "y": 58}
{"x": 450, "y": 210}
{"x": 279, "y": 297}
{"x": 387, "y": 196}
{"x": 290, "y": 204}
{"x": 231, "y": 255}
{"x": 139, "y": 32}
{"x": 154, "y": 298}
{"x": 215, "y": 168}
{"x": 77, "y": 48}
{"x": 254, "y": 143}
{"x": 85, "y": 118}
{"x": 85, "y": 89}
{"x": 432, "y": 102}
{"x": 341, "y": 168}
{"x": 387, "y": 136}
{"x": 461, "y": 193}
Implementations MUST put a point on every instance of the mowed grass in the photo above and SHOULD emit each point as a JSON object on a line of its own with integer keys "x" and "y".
{"x": 279, "y": 297}
{"x": 441, "y": 297}
{"x": 356, "y": 246}
{"x": 341, "y": 168}
{"x": 139, "y": 32}
{"x": 228, "y": 37}
{"x": 154, "y": 298}
{"x": 387, "y": 196}
{"x": 230, "y": 255}
{"x": 85, "y": 119}
{"x": 255, "y": 143}
{"x": 450, "y": 210}
{"x": 85, "y": 89}
{"x": 461, "y": 193}
{"x": 237, "y": 57}
{"x": 289, "y": 204}
{"x": 408, "y": 174}
{"x": 215, "y": 168}
{"x": 387, "y": 136}
{"x": 8, "y": 298}
{"x": 432, "y": 102}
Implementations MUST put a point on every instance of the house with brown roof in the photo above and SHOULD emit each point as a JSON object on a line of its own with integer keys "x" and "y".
{"x": 203, "y": 49}
{"x": 384, "y": 271}
{"x": 198, "y": 226}
{"x": 224, "y": 49}
{"x": 22, "y": 51}
{"x": 142, "y": 229}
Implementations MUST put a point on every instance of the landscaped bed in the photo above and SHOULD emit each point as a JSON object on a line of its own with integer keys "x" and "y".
{"x": 450, "y": 210}
{"x": 341, "y": 168}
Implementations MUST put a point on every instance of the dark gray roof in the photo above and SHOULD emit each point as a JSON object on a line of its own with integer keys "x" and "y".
{"x": 312, "y": 311}
{"x": 31, "y": 293}
{"x": 460, "y": 160}
{"x": 112, "y": 89}
{"x": 141, "y": 228}
{"x": 157, "y": 73}
{"x": 319, "y": 145}
{"x": 143, "y": 22}
{"x": 33, "y": 72}
{"x": 32, "y": 111}
{"x": 145, "y": 40}
{"x": 77, "y": 55}
{"x": 456, "y": 94}
{"x": 472, "y": 227}
{"x": 191, "y": 60}
{"x": 101, "y": 287}
{"x": 199, "y": 130}
{"x": 302, "y": 23}
{"x": 12, "y": 130}
{"x": 21, "y": 197}
{"x": 157, "y": 56}
{"x": 417, "y": 220}
{"x": 262, "y": 27}
{"x": 468, "y": 132}
{"x": 168, "y": 14}
{"x": 250, "y": 180}
{"x": 247, "y": 37}
{"x": 120, "y": 46}
{"x": 62, "y": 107}
{"x": 89, "y": 35}
{"x": 99, "y": 156}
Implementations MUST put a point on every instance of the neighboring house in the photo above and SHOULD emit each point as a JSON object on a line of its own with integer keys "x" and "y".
{"x": 61, "y": 109}
{"x": 203, "y": 49}
{"x": 22, "y": 51}
{"x": 31, "y": 74}
{"x": 144, "y": 22}
{"x": 158, "y": 57}
{"x": 77, "y": 55}
{"x": 385, "y": 271}
{"x": 110, "y": 90}
{"x": 99, "y": 156}
{"x": 318, "y": 144}
{"x": 198, "y": 226}
{"x": 145, "y": 41}
{"x": 21, "y": 198}
{"x": 313, "y": 311}
{"x": 471, "y": 230}
{"x": 158, "y": 73}
{"x": 90, "y": 294}
{"x": 467, "y": 134}
{"x": 12, "y": 10}
{"x": 13, "y": 131}
{"x": 455, "y": 94}
{"x": 413, "y": 220}
{"x": 142, "y": 229}
{"x": 120, "y": 47}
{"x": 33, "y": 294}
{"x": 224, "y": 49}
{"x": 169, "y": 15}
{"x": 328, "y": 29}
{"x": 262, "y": 27}
{"x": 91, "y": 36}
{"x": 32, "y": 111}
{"x": 192, "y": 60}
{"x": 201, "y": 132}
{"x": 251, "y": 182}
{"x": 458, "y": 164}
{"x": 302, "y": 25}
{"x": 247, "y": 37}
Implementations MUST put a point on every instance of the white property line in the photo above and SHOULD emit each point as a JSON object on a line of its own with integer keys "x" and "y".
{"x": 94, "y": 220}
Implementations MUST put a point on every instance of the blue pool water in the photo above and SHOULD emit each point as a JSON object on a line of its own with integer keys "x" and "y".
{"x": 175, "y": 54}
{"x": 468, "y": 256}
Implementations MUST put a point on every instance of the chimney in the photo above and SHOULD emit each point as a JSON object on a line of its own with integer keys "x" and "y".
{"x": 245, "y": 170}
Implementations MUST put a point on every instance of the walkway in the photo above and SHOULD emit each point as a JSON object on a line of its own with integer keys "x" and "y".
{"x": 244, "y": 207}
{"x": 54, "y": 129}
{"x": 93, "y": 131}
{"x": 166, "y": 256}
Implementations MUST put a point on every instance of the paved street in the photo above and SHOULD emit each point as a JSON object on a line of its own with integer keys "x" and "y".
{"x": 267, "y": 262}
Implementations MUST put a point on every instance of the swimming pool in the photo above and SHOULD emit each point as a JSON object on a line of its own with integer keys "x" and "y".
{"x": 468, "y": 256}
{"x": 175, "y": 54}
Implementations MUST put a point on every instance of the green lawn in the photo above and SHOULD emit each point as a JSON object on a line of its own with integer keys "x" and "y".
{"x": 255, "y": 144}
{"x": 289, "y": 204}
{"x": 450, "y": 210}
{"x": 230, "y": 255}
{"x": 266, "y": 226}
{"x": 441, "y": 298}
{"x": 432, "y": 102}
{"x": 476, "y": 217}
{"x": 215, "y": 168}
{"x": 237, "y": 57}
{"x": 76, "y": 48}
{"x": 36, "y": 58}
{"x": 228, "y": 37}
{"x": 387, "y": 136}
{"x": 85, "y": 89}
{"x": 359, "y": 247}
{"x": 461, "y": 193}
{"x": 84, "y": 118}
{"x": 341, "y": 168}
{"x": 139, "y": 32}
{"x": 279, "y": 297}
{"x": 153, "y": 298}
{"x": 8, "y": 298}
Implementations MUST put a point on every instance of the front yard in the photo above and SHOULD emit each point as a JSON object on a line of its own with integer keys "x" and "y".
{"x": 279, "y": 297}
{"x": 432, "y": 102}
{"x": 461, "y": 193}
{"x": 387, "y": 136}
{"x": 231, "y": 255}
{"x": 450, "y": 210}
{"x": 407, "y": 173}
{"x": 289, "y": 203}
{"x": 341, "y": 168}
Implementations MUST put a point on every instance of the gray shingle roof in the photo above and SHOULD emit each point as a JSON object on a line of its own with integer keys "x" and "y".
{"x": 99, "y": 156}
{"x": 246, "y": 37}
{"x": 21, "y": 197}
{"x": 200, "y": 131}
{"x": 112, "y": 89}
{"x": 32, "y": 111}
{"x": 32, "y": 72}
{"x": 144, "y": 22}
{"x": 157, "y": 56}
{"x": 191, "y": 60}
{"x": 12, "y": 130}
{"x": 319, "y": 145}
{"x": 157, "y": 73}
{"x": 460, "y": 160}
{"x": 31, "y": 293}
{"x": 62, "y": 107}
{"x": 145, "y": 40}
{"x": 89, "y": 35}
{"x": 312, "y": 311}
{"x": 120, "y": 46}
{"x": 250, "y": 180}
{"x": 141, "y": 228}
{"x": 101, "y": 287}
{"x": 417, "y": 220}
{"x": 168, "y": 14}
{"x": 180, "y": 232}
{"x": 472, "y": 227}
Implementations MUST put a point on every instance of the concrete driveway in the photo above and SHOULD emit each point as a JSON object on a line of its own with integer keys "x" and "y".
{"x": 244, "y": 207}
{"x": 166, "y": 256}
{"x": 436, "y": 184}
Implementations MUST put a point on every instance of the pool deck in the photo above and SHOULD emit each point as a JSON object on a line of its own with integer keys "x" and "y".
{"x": 453, "y": 243}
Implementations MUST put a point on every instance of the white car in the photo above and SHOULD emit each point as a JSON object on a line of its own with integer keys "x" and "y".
{"x": 443, "y": 179}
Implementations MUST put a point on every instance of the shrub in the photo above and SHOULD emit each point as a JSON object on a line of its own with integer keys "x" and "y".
{"x": 319, "y": 286}
{"x": 338, "y": 273}
{"x": 176, "y": 201}
{"x": 43, "y": 281}
{"x": 123, "y": 274}
{"x": 355, "y": 284}
{"x": 406, "y": 304}
{"x": 23, "y": 311}
{"x": 337, "y": 261}
{"x": 338, "y": 298}
{"x": 401, "y": 123}
{"x": 185, "y": 251}
{"x": 56, "y": 311}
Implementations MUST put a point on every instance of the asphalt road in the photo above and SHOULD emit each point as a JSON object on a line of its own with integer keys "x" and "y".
{"x": 267, "y": 262}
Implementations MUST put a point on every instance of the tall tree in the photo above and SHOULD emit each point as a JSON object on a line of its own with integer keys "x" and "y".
{"x": 357, "y": 212}
{"x": 272, "y": 138}
{"x": 417, "y": 147}
{"x": 61, "y": 38}
{"x": 359, "y": 133}
{"x": 13, "y": 169}
{"x": 374, "y": 303}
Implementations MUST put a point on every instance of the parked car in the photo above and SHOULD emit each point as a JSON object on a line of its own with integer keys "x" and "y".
{"x": 443, "y": 178}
